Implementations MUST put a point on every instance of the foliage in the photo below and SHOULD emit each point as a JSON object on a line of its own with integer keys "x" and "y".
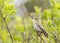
{"x": 22, "y": 28}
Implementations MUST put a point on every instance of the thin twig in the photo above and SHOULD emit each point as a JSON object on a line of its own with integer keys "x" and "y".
{"x": 24, "y": 33}
{"x": 55, "y": 38}
{"x": 6, "y": 26}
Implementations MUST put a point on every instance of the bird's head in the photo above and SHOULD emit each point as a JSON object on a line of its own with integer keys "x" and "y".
{"x": 34, "y": 17}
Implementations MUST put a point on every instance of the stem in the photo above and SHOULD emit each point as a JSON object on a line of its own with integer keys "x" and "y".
{"x": 6, "y": 26}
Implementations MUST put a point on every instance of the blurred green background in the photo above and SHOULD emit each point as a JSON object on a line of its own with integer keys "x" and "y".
{"x": 16, "y": 25}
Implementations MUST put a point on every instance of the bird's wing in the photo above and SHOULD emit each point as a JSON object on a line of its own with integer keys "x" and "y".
{"x": 42, "y": 28}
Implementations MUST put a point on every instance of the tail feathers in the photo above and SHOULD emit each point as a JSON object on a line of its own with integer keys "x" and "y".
{"x": 46, "y": 34}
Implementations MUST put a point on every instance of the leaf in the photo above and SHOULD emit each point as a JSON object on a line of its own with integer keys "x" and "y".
{"x": 4, "y": 34}
{"x": 19, "y": 27}
{"x": 57, "y": 5}
{"x": 16, "y": 37}
{"x": 37, "y": 9}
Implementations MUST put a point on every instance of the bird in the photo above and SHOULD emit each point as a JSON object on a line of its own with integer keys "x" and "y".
{"x": 39, "y": 27}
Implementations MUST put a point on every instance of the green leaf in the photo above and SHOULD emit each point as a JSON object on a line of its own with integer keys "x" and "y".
{"x": 37, "y": 9}
{"x": 4, "y": 34}
{"x": 16, "y": 37}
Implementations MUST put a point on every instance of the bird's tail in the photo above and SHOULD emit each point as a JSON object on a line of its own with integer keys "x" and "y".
{"x": 46, "y": 34}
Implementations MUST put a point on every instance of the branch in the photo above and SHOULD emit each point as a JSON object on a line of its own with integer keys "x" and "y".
{"x": 6, "y": 25}
{"x": 55, "y": 38}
